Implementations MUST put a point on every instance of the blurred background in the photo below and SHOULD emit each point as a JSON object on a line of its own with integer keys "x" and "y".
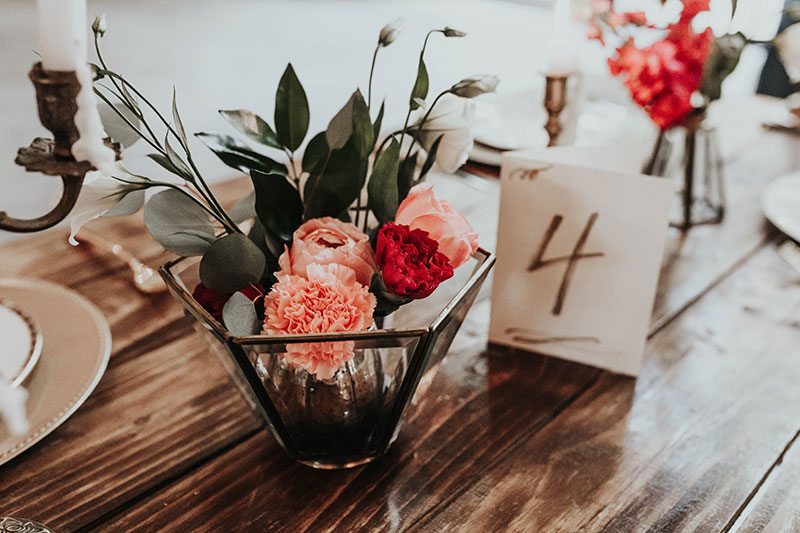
{"x": 231, "y": 54}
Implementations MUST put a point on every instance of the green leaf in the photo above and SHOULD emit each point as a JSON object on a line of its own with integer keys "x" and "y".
{"x": 382, "y": 186}
{"x": 340, "y": 128}
{"x": 177, "y": 161}
{"x": 291, "y": 110}
{"x": 178, "y": 223}
{"x": 237, "y": 155}
{"x": 231, "y": 263}
{"x": 405, "y": 177}
{"x": 420, "y": 86}
{"x": 721, "y": 62}
{"x": 167, "y": 164}
{"x": 244, "y": 209}
{"x": 240, "y": 316}
{"x": 431, "y": 159}
{"x": 387, "y": 302}
{"x": 363, "y": 134}
{"x": 116, "y": 128}
{"x": 338, "y": 186}
{"x": 253, "y": 126}
{"x": 278, "y": 204}
{"x": 176, "y": 117}
{"x": 376, "y": 128}
{"x": 315, "y": 154}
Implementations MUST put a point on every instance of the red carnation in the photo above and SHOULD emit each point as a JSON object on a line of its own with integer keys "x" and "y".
{"x": 410, "y": 261}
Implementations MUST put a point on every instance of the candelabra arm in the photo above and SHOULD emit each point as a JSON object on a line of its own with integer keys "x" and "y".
{"x": 72, "y": 188}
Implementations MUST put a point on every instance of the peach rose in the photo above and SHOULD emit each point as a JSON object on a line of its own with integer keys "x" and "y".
{"x": 423, "y": 210}
{"x": 325, "y": 241}
{"x": 328, "y": 299}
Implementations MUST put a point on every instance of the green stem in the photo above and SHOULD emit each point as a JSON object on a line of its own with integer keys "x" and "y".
{"x": 202, "y": 186}
{"x": 424, "y": 118}
{"x": 371, "y": 72}
{"x": 421, "y": 58}
{"x": 128, "y": 122}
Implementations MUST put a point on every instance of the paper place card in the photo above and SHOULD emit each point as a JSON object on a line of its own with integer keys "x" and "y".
{"x": 579, "y": 251}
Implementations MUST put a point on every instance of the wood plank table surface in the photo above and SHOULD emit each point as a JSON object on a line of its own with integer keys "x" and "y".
{"x": 706, "y": 439}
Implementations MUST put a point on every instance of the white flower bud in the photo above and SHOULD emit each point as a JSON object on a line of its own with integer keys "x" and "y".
{"x": 475, "y": 86}
{"x": 100, "y": 25}
{"x": 390, "y": 32}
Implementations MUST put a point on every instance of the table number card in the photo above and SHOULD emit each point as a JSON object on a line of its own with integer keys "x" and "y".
{"x": 578, "y": 255}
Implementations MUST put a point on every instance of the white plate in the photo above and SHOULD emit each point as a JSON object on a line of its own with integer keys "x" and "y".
{"x": 75, "y": 350}
{"x": 21, "y": 340}
{"x": 781, "y": 204}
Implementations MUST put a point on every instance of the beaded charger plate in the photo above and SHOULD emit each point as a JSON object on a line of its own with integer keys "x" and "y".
{"x": 75, "y": 347}
{"x": 21, "y": 341}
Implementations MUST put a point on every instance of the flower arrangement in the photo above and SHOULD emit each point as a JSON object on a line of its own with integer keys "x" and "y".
{"x": 671, "y": 67}
{"x": 338, "y": 237}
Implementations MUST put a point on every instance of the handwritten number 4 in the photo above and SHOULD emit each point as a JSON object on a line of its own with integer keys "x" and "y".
{"x": 571, "y": 260}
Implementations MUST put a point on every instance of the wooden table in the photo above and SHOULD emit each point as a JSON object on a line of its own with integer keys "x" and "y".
{"x": 705, "y": 439}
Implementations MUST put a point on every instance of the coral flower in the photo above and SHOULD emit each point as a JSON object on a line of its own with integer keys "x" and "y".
{"x": 329, "y": 299}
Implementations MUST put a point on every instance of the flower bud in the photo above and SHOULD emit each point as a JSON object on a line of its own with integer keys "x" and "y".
{"x": 390, "y": 32}
{"x": 475, "y": 86}
{"x": 99, "y": 26}
{"x": 452, "y": 32}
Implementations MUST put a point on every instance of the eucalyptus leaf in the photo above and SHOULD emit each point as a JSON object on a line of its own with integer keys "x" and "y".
{"x": 376, "y": 127}
{"x": 238, "y": 155}
{"x": 291, "y": 110}
{"x": 420, "y": 86}
{"x": 244, "y": 209}
{"x": 177, "y": 161}
{"x": 116, "y": 128}
{"x": 253, "y": 126}
{"x": 178, "y": 223}
{"x": 315, "y": 154}
{"x": 340, "y": 128}
{"x": 340, "y": 183}
{"x": 176, "y": 118}
{"x": 167, "y": 164}
{"x": 231, "y": 263}
{"x": 382, "y": 186}
{"x": 431, "y": 159}
{"x": 363, "y": 133}
{"x": 240, "y": 315}
{"x": 405, "y": 177}
{"x": 278, "y": 204}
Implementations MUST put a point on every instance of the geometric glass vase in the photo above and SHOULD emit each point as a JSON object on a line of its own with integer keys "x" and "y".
{"x": 689, "y": 153}
{"x": 352, "y": 416}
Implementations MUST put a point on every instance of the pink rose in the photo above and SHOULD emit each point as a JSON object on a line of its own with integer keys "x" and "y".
{"x": 423, "y": 210}
{"x": 325, "y": 241}
{"x": 327, "y": 300}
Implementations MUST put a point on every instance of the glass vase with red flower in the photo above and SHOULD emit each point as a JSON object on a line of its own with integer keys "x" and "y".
{"x": 689, "y": 152}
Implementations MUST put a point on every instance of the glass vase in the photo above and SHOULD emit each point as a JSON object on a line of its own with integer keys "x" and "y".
{"x": 352, "y": 416}
{"x": 690, "y": 153}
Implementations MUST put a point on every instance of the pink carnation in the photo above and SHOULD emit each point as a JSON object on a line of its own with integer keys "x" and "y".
{"x": 329, "y": 299}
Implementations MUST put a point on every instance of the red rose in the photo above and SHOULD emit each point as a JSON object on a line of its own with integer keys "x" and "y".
{"x": 213, "y": 302}
{"x": 410, "y": 261}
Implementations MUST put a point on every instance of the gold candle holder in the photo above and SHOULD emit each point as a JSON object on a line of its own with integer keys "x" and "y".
{"x": 55, "y": 95}
{"x": 555, "y": 100}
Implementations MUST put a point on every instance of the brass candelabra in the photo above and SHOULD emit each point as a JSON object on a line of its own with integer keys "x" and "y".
{"x": 56, "y": 93}
{"x": 555, "y": 100}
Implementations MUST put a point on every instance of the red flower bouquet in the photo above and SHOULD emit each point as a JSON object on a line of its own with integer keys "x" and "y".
{"x": 680, "y": 71}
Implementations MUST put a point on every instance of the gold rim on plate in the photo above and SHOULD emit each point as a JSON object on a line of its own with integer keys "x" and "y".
{"x": 35, "y": 349}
